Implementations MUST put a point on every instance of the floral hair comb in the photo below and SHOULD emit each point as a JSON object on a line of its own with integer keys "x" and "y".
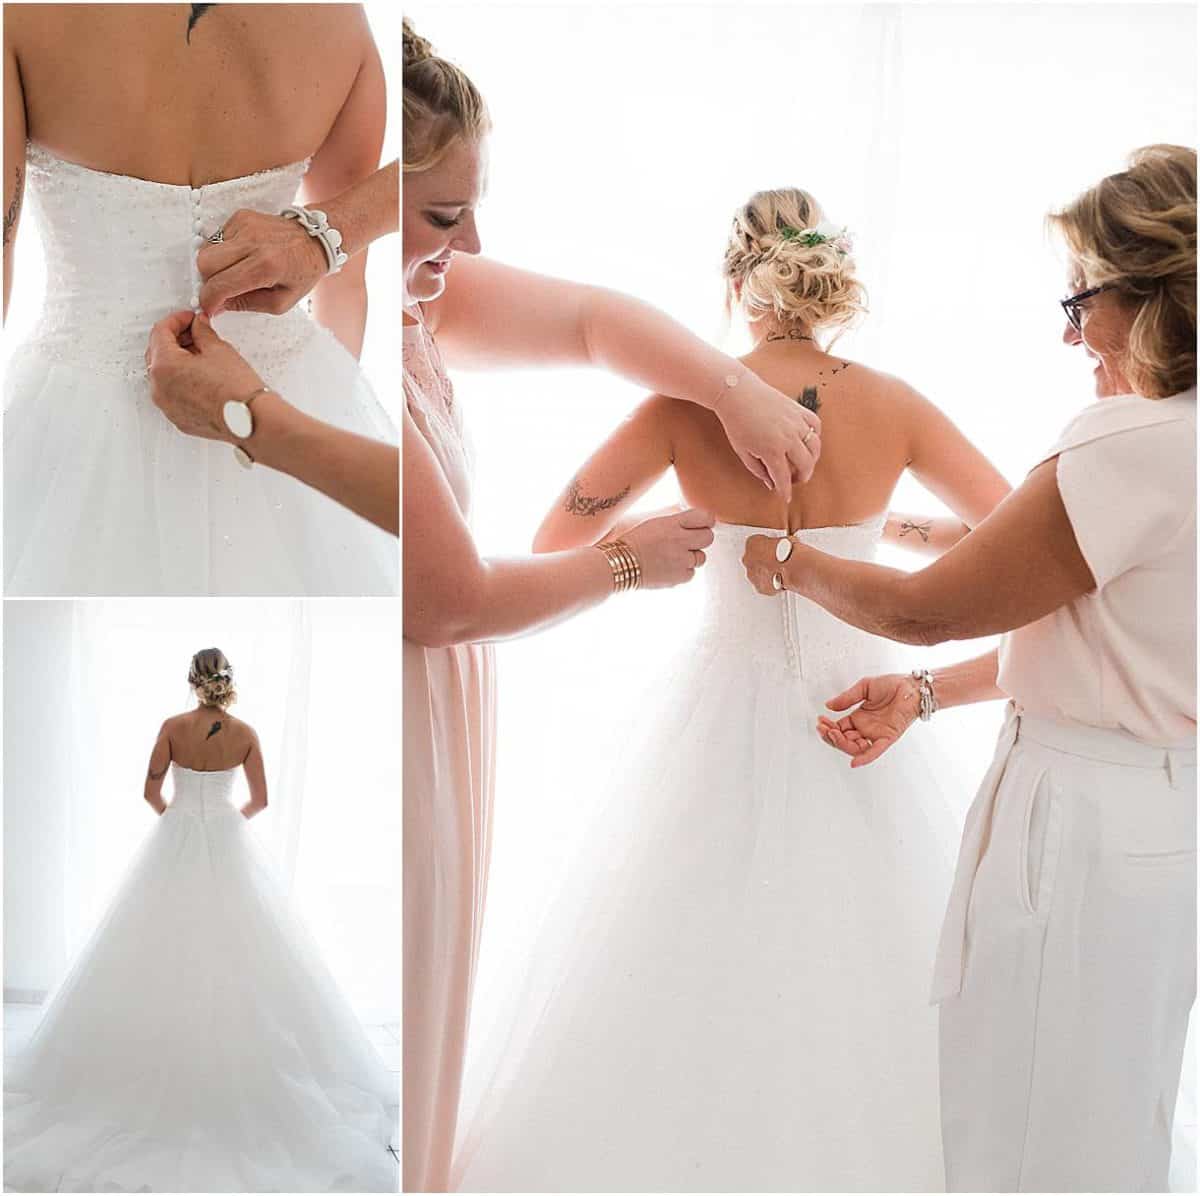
{"x": 825, "y": 233}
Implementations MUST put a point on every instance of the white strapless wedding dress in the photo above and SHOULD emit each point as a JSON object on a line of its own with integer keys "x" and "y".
{"x": 730, "y": 990}
{"x": 101, "y": 494}
{"x": 199, "y": 1044}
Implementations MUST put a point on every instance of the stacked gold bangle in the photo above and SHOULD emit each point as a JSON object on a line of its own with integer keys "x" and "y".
{"x": 626, "y": 568}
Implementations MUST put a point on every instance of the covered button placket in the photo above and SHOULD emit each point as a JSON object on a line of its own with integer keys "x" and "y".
{"x": 197, "y": 243}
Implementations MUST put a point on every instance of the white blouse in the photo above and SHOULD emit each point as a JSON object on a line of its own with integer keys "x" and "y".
{"x": 1123, "y": 656}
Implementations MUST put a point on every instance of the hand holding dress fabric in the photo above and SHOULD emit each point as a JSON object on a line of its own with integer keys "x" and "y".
{"x": 888, "y": 707}
{"x": 671, "y": 547}
{"x": 193, "y": 373}
{"x": 262, "y": 263}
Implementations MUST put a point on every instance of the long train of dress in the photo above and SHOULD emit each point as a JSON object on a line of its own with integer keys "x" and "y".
{"x": 199, "y": 1043}
{"x": 102, "y": 495}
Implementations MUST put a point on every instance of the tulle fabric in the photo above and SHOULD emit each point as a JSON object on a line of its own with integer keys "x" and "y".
{"x": 102, "y": 495}
{"x": 199, "y": 1043}
{"x": 729, "y": 991}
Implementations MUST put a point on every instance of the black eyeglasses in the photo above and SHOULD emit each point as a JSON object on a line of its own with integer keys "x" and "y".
{"x": 1073, "y": 303}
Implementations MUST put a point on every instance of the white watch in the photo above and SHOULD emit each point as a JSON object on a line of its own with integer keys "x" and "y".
{"x": 239, "y": 419}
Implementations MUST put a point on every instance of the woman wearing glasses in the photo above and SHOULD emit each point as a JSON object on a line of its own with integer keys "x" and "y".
{"x": 1067, "y": 965}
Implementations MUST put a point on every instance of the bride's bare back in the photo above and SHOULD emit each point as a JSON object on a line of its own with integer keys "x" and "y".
{"x": 208, "y": 739}
{"x": 189, "y": 93}
{"x": 873, "y": 428}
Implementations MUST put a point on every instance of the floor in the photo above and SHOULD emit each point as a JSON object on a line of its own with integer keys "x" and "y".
{"x": 20, "y": 1021}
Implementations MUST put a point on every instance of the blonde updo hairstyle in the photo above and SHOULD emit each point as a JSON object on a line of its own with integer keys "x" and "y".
{"x": 1136, "y": 231}
{"x": 441, "y": 105}
{"x": 770, "y": 271}
{"x": 211, "y": 678}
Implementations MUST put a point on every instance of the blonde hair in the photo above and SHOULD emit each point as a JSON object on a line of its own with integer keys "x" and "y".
{"x": 1136, "y": 231}
{"x": 211, "y": 677}
{"x": 780, "y": 275}
{"x": 441, "y": 104}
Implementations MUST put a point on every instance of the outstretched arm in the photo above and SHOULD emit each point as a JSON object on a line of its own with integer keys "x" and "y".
{"x": 256, "y": 778}
{"x": 1021, "y": 563}
{"x": 452, "y": 595}
{"x": 14, "y": 158}
{"x": 888, "y": 705}
{"x": 947, "y": 464}
{"x": 160, "y": 762}
{"x": 492, "y": 316}
{"x": 611, "y": 481}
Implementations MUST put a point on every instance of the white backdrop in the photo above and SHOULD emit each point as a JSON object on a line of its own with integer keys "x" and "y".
{"x": 86, "y": 687}
{"x": 379, "y": 360}
{"x": 625, "y": 134}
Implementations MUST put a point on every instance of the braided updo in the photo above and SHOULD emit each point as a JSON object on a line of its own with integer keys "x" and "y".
{"x": 1136, "y": 231}
{"x": 777, "y": 273}
{"x": 440, "y": 104}
{"x": 211, "y": 677}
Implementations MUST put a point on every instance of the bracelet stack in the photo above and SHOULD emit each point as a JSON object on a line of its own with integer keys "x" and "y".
{"x": 626, "y": 568}
{"x": 316, "y": 224}
{"x": 924, "y": 680}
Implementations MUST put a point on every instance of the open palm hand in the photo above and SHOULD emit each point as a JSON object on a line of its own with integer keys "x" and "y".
{"x": 888, "y": 705}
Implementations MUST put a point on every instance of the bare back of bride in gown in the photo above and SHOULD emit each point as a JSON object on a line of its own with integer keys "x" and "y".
{"x": 136, "y": 131}
{"x": 730, "y": 988}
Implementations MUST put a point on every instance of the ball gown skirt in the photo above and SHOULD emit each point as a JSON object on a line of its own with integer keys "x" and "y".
{"x": 730, "y": 989}
{"x": 199, "y": 1043}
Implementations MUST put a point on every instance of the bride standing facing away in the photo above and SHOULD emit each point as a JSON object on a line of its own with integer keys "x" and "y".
{"x": 199, "y": 1043}
{"x": 141, "y": 130}
{"x": 731, "y": 993}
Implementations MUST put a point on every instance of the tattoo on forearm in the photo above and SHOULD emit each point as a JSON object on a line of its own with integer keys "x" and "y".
{"x": 922, "y": 529}
{"x": 578, "y": 503}
{"x": 14, "y": 208}
{"x": 213, "y": 729}
{"x": 158, "y": 776}
{"x": 198, "y": 10}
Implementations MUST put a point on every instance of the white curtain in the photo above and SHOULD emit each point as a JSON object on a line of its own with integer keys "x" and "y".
{"x": 624, "y": 136}
{"x": 86, "y": 687}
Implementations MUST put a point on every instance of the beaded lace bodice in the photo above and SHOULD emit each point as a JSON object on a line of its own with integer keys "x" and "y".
{"x": 784, "y": 631}
{"x": 199, "y": 792}
{"x": 121, "y": 254}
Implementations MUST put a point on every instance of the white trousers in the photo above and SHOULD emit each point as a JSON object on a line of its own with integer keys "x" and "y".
{"x": 1067, "y": 967}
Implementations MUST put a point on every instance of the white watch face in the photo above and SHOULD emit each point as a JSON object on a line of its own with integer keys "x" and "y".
{"x": 238, "y": 419}
{"x": 783, "y": 549}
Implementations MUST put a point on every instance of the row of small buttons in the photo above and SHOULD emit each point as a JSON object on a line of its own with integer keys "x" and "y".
{"x": 197, "y": 243}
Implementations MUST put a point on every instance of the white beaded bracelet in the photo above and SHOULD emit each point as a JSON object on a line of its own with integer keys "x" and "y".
{"x": 316, "y": 224}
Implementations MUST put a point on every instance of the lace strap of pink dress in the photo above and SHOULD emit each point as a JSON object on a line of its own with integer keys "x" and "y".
{"x": 449, "y": 736}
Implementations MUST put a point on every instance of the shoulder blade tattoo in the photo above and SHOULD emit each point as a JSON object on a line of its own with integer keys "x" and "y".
{"x": 197, "y": 11}
{"x": 213, "y": 729}
{"x": 578, "y": 503}
{"x": 14, "y": 209}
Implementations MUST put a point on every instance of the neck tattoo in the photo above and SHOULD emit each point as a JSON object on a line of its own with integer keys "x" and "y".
{"x": 790, "y": 334}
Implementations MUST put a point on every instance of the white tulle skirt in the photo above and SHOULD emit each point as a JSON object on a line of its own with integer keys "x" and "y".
{"x": 729, "y": 991}
{"x": 199, "y": 1043}
{"x": 102, "y": 495}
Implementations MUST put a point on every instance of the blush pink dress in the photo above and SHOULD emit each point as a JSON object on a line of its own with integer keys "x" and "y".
{"x": 449, "y": 725}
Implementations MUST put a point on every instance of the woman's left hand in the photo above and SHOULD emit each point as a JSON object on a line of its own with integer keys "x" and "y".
{"x": 762, "y": 564}
{"x": 193, "y": 372}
